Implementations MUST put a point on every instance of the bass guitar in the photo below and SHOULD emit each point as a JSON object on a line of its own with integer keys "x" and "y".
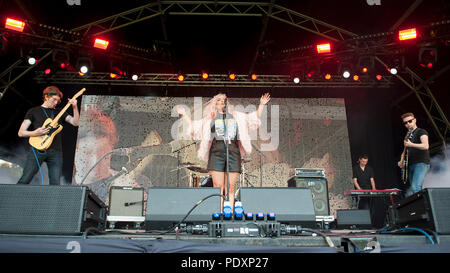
{"x": 43, "y": 142}
{"x": 405, "y": 159}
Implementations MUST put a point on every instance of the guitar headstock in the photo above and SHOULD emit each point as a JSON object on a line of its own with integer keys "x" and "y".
{"x": 79, "y": 93}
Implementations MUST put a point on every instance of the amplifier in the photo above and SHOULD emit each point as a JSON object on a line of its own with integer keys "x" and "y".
{"x": 308, "y": 172}
{"x": 353, "y": 219}
{"x": 49, "y": 209}
{"x": 319, "y": 191}
{"x": 126, "y": 201}
{"x": 428, "y": 208}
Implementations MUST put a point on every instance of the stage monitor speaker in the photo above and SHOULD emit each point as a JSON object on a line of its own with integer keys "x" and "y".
{"x": 126, "y": 201}
{"x": 293, "y": 206}
{"x": 319, "y": 190}
{"x": 48, "y": 209}
{"x": 428, "y": 208}
{"x": 353, "y": 219}
{"x": 167, "y": 206}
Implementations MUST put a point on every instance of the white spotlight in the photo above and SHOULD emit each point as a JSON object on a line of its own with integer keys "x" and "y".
{"x": 346, "y": 74}
{"x": 31, "y": 60}
{"x": 84, "y": 69}
{"x": 296, "y": 80}
{"x": 393, "y": 71}
{"x": 134, "y": 77}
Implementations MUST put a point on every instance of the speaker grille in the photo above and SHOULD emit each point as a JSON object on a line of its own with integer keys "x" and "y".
{"x": 41, "y": 209}
{"x": 319, "y": 191}
{"x": 439, "y": 199}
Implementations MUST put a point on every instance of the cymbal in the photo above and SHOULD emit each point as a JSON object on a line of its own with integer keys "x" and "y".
{"x": 197, "y": 169}
{"x": 187, "y": 163}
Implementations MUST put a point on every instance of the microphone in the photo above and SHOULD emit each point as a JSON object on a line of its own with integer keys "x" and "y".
{"x": 132, "y": 203}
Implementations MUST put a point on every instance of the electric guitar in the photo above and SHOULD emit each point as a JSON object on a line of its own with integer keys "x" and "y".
{"x": 405, "y": 159}
{"x": 43, "y": 142}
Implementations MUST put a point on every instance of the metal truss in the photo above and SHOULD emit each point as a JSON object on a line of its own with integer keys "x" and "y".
{"x": 218, "y": 8}
{"x": 7, "y": 79}
{"x": 216, "y": 80}
{"x": 429, "y": 103}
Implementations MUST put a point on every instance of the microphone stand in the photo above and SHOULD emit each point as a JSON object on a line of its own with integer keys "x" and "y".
{"x": 179, "y": 161}
{"x": 260, "y": 164}
{"x": 225, "y": 135}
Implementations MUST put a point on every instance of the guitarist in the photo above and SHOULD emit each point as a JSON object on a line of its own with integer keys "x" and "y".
{"x": 31, "y": 126}
{"x": 418, "y": 155}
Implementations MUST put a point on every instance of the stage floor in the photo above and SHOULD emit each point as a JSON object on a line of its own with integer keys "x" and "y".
{"x": 138, "y": 241}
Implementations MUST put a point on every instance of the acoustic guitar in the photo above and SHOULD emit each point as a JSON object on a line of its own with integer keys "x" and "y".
{"x": 43, "y": 142}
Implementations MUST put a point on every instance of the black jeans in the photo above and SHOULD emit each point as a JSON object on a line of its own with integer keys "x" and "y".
{"x": 54, "y": 161}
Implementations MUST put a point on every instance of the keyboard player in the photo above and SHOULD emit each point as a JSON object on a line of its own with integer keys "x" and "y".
{"x": 363, "y": 179}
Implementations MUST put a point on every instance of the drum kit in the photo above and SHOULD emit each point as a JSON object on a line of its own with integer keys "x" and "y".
{"x": 200, "y": 177}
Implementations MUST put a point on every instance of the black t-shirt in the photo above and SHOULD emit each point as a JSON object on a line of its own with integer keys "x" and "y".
{"x": 363, "y": 177}
{"x": 37, "y": 116}
{"x": 417, "y": 155}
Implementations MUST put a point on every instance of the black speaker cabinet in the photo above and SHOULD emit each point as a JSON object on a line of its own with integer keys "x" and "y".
{"x": 353, "y": 219}
{"x": 292, "y": 206}
{"x": 319, "y": 191}
{"x": 126, "y": 201}
{"x": 429, "y": 209}
{"x": 48, "y": 209}
{"x": 167, "y": 206}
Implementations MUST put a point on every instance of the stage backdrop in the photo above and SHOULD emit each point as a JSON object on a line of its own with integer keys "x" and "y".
{"x": 295, "y": 133}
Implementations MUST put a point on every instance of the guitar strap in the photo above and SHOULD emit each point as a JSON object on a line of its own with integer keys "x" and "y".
{"x": 45, "y": 112}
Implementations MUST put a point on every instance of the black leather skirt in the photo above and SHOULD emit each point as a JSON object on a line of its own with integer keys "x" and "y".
{"x": 217, "y": 157}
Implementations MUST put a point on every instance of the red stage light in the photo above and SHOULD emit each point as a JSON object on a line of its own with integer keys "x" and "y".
{"x": 180, "y": 78}
{"x": 430, "y": 65}
{"x": 379, "y": 77}
{"x": 327, "y": 76}
{"x": 14, "y": 24}
{"x": 47, "y": 71}
{"x": 232, "y": 76}
{"x": 102, "y": 44}
{"x": 364, "y": 70}
{"x": 113, "y": 76}
{"x": 254, "y": 77}
{"x": 323, "y": 48}
{"x": 62, "y": 65}
{"x": 205, "y": 75}
{"x": 309, "y": 75}
{"x": 355, "y": 77}
{"x": 407, "y": 34}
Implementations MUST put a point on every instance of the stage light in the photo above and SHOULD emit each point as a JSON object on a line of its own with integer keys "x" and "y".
{"x": 180, "y": 77}
{"x": 407, "y": 34}
{"x": 309, "y": 75}
{"x": 327, "y": 77}
{"x": 427, "y": 57}
{"x": 205, "y": 75}
{"x": 84, "y": 65}
{"x": 254, "y": 77}
{"x": 113, "y": 76}
{"x": 101, "y": 44}
{"x": 323, "y": 48}
{"x": 346, "y": 74}
{"x": 14, "y": 24}
{"x": 31, "y": 60}
{"x": 379, "y": 77}
{"x": 135, "y": 77}
{"x": 232, "y": 76}
{"x": 3, "y": 44}
{"x": 393, "y": 70}
{"x": 355, "y": 78}
{"x": 296, "y": 80}
{"x": 47, "y": 71}
{"x": 364, "y": 69}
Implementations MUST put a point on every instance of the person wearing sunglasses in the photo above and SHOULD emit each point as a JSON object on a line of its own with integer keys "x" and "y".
{"x": 31, "y": 127}
{"x": 418, "y": 155}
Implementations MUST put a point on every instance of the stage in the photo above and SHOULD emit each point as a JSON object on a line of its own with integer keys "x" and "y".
{"x": 137, "y": 241}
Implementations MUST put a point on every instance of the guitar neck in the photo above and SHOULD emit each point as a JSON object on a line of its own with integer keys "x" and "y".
{"x": 56, "y": 119}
